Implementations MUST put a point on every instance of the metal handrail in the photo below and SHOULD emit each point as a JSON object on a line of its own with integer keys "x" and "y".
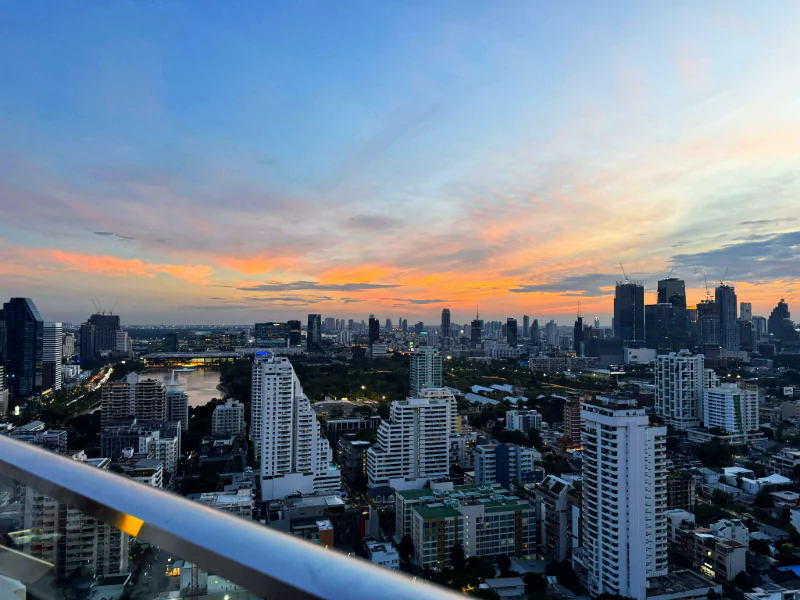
{"x": 266, "y": 562}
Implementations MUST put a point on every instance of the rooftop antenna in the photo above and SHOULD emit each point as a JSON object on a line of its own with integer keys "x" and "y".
{"x": 624, "y": 274}
{"x": 477, "y": 314}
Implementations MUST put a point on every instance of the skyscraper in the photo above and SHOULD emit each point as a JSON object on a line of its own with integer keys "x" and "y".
{"x": 629, "y": 312}
{"x": 295, "y": 333}
{"x": 679, "y": 388}
{"x": 511, "y": 332}
{"x": 535, "y": 333}
{"x": 745, "y": 311}
{"x": 780, "y": 325}
{"x": 624, "y": 498}
{"x": 708, "y": 331}
{"x": 295, "y": 455}
{"x": 51, "y": 356}
{"x": 24, "y": 330}
{"x": 314, "y": 335}
{"x": 476, "y": 331}
{"x": 672, "y": 290}
{"x": 577, "y": 336}
{"x": 526, "y": 326}
{"x": 446, "y": 323}
{"x": 374, "y": 329}
{"x": 86, "y": 337}
{"x": 426, "y": 370}
{"x": 728, "y": 327}
{"x": 105, "y": 331}
{"x": 672, "y": 323}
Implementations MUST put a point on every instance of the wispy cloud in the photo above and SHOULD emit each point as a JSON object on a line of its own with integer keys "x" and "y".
{"x": 114, "y": 236}
{"x": 277, "y": 286}
{"x": 593, "y": 284}
{"x": 418, "y": 301}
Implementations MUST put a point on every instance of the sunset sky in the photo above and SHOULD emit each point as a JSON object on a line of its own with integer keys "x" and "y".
{"x": 228, "y": 162}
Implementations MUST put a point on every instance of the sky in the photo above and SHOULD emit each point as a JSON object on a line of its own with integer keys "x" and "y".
{"x": 232, "y": 162}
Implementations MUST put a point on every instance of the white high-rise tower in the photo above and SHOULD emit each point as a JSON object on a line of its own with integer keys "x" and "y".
{"x": 295, "y": 455}
{"x": 679, "y": 389}
{"x": 426, "y": 370}
{"x": 624, "y": 498}
{"x": 52, "y": 351}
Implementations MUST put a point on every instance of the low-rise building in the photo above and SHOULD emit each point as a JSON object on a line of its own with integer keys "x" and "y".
{"x": 681, "y": 491}
{"x": 732, "y": 529}
{"x": 383, "y": 553}
{"x": 785, "y": 462}
{"x": 715, "y": 557}
{"x": 228, "y": 418}
{"x": 555, "y": 519}
{"x": 238, "y": 502}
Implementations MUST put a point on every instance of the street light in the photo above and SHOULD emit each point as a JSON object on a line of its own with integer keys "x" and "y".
{"x": 363, "y": 387}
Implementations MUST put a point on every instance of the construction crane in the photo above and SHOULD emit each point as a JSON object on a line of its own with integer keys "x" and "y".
{"x": 722, "y": 281}
{"x": 624, "y": 274}
{"x": 111, "y": 311}
{"x": 708, "y": 294}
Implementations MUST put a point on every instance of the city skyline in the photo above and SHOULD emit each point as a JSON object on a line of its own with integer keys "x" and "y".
{"x": 264, "y": 163}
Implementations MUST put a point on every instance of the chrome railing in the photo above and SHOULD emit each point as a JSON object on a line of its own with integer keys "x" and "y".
{"x": 266, "y": 562}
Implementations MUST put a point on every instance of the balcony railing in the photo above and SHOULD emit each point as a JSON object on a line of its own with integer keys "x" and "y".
{"x": 265, "y": 562}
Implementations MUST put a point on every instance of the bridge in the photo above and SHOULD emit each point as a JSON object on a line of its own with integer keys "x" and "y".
{"x": 188, "y": 359}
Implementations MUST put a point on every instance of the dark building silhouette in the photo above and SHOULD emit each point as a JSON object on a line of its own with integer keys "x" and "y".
{"x": 271, "y": 334}
{"x": 672, "y": 290}
{"x": 24, "y": 333}
{"x": 314, "y": 336}
{"x": 404, "y": 326}
{"x": 295, "y": 333}
{"x": 511, "y": 332}
{"x": 446, "y": 323}
{"x": 578, "y": 337}
{"x": 535, "y": 333}
{"x": 658, "y": 323}
{"x": 629, "y": 312}
{"x": 105, "y": 332}
{"x": 728, "y": 325}
{"x": 708, "y": 334}
{"x": 86, "y": 339}
{"x": 780, "y": 325}
{"x": 526, "y": 326}
{"x": 172, "y": 342}
{"x": 476, "y": 331}
{"x": 374, "y": 329}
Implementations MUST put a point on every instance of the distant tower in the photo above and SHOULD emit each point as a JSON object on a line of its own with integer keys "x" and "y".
{"x": 629, "y": 312}
{"x": 526, "y": 326}
{"x": 445, "y": 322}
{"x": 24, "y": 330}
{"x": 476, "y": 330}
{"x": 314, "y": 336}
{"x": 728, "y": 326}
{"x": 511, "y": 332}
{"x": 577, "y": 335}
{"x": 426, "y": 370}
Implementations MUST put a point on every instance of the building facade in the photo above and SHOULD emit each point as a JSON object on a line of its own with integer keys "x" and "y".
{"x": 228, "y": 418}
{"x": 24, "y": 346}
{"x": 426, "y": 370}
{"x": 731, "y": 407}
{"x": 504, "y": 464}
{"x": 52, "y": 352}
{"x": 679, "y": 388}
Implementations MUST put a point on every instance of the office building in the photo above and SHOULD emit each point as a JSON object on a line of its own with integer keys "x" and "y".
{"x": 294, "y": 454}
{"x": 133, "y": 397}
{"x": 728, "y": 326}
{"x": 24, "y": 345}
{"x": 446, "y": 333}
{"x": 228, "y": 418}
{"x": 629, "y": 312}
{"x": 679, "y": 382}
{"x": 295, "y": 333}
{"x": 178, "y": 408}
{"x": 53, "y": 346}
{"x": 780, "y": 326}
{"x": 106, "y": 327}
{"x": 573, "y": 424}
{"x": 314, "y": 334}
{"x": 523, "y": 420}
{"x": 68, "y": 345}
{"x": 426, "y": 370}
{"x": 511, "y": 332}
{"x": 485, "y": 520}
{"x": 760, "y": 329}
{"x": 271, "y": 335}
{"x": 708, "y": 324}
{"x": 86, "y": 337}
{"x": 526, "y": 326}
{"x": 374, "y": 329}
{"x": 171, "y": 342}
{"x": 476, "y": 331}
{"x": 412, "y": 444}
{"x": 504, "y": 464}
{"x": 731, "y": 407}
{"x": 673, "y": 291}
{"x": 535, "y": 333}
{"x": 745, "y": 311}
{"x": 624, "y": 498}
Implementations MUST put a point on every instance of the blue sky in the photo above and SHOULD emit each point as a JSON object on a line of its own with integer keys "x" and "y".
{"x": 176, "y": 155}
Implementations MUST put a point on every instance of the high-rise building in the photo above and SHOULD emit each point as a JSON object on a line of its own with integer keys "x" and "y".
{"x": 669, "y": 321}
{"x": 760, "y": 328}
{"x": 578, "y": 336}
{"x": 271, "y": 335}
{"x": 178, "y": 407}
{"x": 505, "y": 464}
{"x": 133, "y": 397}
{"x": 374, "y": 329}
{"x": 295, "y": 333}
{"x": 629, "y": 312}
{"x": 86, "y": 336}
{"x": 105, "y": 331}
{"x": 295, "y": 455}
{"x": 426, "y": 370}
{"x": 708, "y": 330}
{"x": 745, "y": 311}
{"x": 511, "y": 332}
{"x": 624, "y": 498}
{"x": 412, "y": 444}
{"x": 573, "y": 424}
{"x": 171, "y": 342}
{"x": 679, "y": 388}
{"x": 526, "y": 326}
{"x": 780, "y": 324}
{"x": 228, "y": 418}
{"x": 731, "y": 407}
{"x": 446, "y": 333}
{"x": 535, "y": 334}
{"x": 24, "y": 331}
{"x": 314, "y": 334}
{"x": 53, "y": 346}
{"x": 672, "y": 290}
{"x": 523, "y": 420}
{"x": 728, "y": 327}
{"x": 123, "y": 346}
{"x": 329, "y": 325}
{"x": 476, "y": 331}
{"x": 68, "y": 345}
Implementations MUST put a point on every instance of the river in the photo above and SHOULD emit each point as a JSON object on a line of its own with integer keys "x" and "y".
{"x": 200, "y": 384}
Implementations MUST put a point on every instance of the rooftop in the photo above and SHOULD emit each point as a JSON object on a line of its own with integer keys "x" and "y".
{"x": 678, "y": 582}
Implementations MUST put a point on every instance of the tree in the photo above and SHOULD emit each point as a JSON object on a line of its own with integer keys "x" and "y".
{"x": 457, "y": 558}
{"x": 763, "y": 499}
{"x": 337, "y": 411}
{"x": 535, "y": 584}
{"x": 743, "y": 581}
{"x": 383, "y": 411}
{"x": 503, "y": 562}
{"x": 760, "y": 547}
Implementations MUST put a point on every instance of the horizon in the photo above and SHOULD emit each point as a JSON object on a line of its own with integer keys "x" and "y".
{"x": 264, "y": 162}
